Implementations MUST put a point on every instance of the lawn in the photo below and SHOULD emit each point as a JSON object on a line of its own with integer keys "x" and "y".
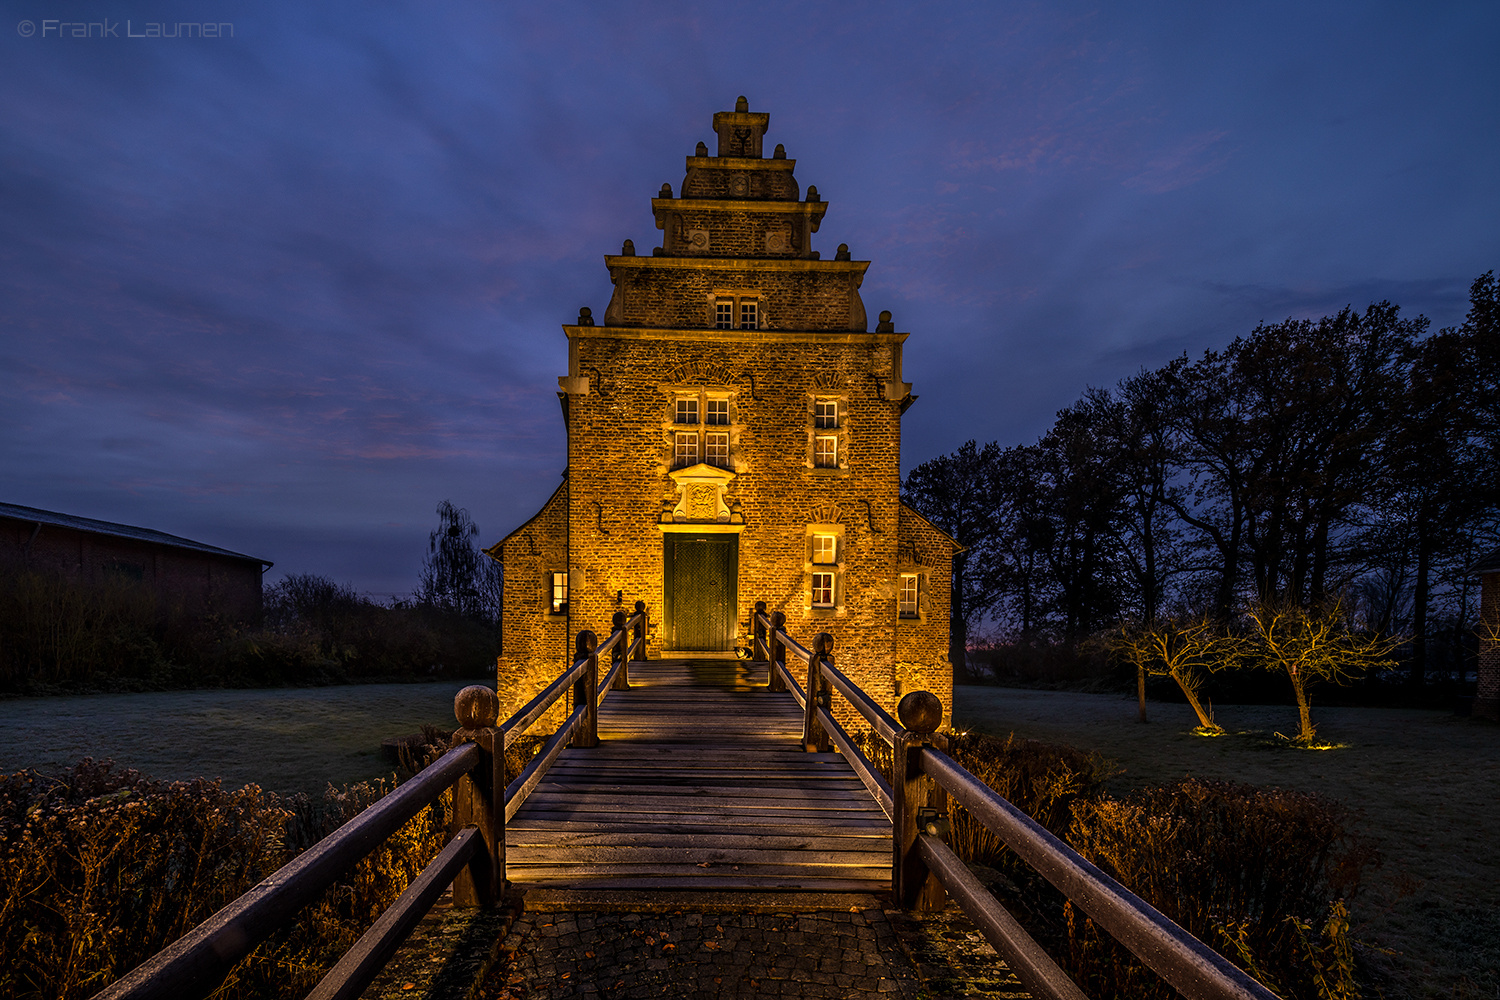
{"x": 1427, "y": 785}
{"x": 290, "y": 739}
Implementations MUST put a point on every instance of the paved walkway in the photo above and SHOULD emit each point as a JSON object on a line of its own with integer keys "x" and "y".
{"x": 855, "y": 950}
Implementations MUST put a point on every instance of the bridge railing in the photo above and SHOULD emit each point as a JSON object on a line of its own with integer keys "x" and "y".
{"x": 473, "y": 861}
{"x": 923, "y": 866}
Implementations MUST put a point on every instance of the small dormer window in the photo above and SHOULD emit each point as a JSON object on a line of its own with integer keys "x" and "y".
{"x": 733, "y": 310}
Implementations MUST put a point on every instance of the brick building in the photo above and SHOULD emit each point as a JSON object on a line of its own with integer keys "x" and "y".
{"x": 734, "y": 435}
{"x": 1487, "y": 696}
{"x": 187, "y": 578}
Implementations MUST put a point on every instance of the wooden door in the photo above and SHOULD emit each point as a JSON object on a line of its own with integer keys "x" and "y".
{"x": 701, "y": 589}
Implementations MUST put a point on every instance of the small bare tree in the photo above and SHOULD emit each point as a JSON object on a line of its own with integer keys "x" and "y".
{"x": 1312, "y": 645}
{"x": 1181, "y": 648}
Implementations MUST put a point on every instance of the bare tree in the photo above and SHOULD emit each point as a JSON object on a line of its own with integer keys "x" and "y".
{"x": 1312, "y": 645}
{"x": 1182, "y": 648}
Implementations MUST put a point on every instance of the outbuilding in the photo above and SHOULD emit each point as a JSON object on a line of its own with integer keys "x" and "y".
{"x": 187, "y": 578}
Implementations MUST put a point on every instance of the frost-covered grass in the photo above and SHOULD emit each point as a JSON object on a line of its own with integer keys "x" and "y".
{"x": 285, "y": 740}
{"x": 1427, "y": 783}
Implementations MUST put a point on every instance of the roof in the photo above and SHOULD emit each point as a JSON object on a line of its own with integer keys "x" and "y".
{"x": 1487, "y": 563}
{"x": 957, "y": 547}
{"x": 34, "y": 515}
{"x": 494, "y": 551}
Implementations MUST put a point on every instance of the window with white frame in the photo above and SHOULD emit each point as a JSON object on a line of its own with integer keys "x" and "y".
{"x": 826, "y": 451}
{"x": 691, "y": 446}
{"x": 559, "y": 593}
{"x": 822, "y": 589}
{"x": 906, "y": 596}
{"x": 685, "y": 449}
{"x": 716, "y": 449}
{"x": 826, "y": 414}
{"x": 748, "y": 309}
{"x": 824, "y": 569}
{"x": 724, "y": 314}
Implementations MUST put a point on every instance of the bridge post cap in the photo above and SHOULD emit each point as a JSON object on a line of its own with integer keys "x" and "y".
{"x": 476, "y": 707}
{"x": 640, "y": 606}
{"x": 587, "y": 643}
{"x": 617, "y": 622}
{"x": 920, "y": 712}
{"x": 823, "y": 643}
{"x": 778, "y": 619}
{"x": 760, "y": 607}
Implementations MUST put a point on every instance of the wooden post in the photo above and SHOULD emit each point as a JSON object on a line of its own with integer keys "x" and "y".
{"x": 758, "y": 628}
{"x": 920, "y": 805}
{"x": 640, "y": 629}
{"x": 586, "y": 691}
{"x": 777, "y": 652}
{"x": 479, "y": 797}
{"x": 815, "y": 738}
{"x": 617, "y": 653}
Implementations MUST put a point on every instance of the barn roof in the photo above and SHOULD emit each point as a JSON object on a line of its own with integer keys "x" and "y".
{"x": 35, "y": 515}
{"x": 1487, "y": 563}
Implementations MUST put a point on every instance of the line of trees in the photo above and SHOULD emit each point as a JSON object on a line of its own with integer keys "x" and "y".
{"x": 1355, "y": 457}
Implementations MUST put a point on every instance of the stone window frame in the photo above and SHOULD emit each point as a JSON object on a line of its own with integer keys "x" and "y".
{"x": 557, "y": 582}
{"x": 811, "y": 570}
{"x": 839, "y": 433}
{"x": 700, "y": 432}
{"x": 736, "y": 300}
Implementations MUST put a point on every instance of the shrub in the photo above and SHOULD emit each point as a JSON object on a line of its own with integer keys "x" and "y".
{"x": 1261, "y": 874}
{"x": 104, "y": 868}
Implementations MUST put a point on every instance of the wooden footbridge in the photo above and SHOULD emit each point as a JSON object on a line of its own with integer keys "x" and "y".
{"x": 694, "y": 774}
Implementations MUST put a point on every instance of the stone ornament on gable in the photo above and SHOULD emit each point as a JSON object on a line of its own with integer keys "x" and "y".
{"x": 700, "y": 497}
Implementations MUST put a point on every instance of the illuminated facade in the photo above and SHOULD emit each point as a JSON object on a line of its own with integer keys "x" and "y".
{"x": 734, "y": 435}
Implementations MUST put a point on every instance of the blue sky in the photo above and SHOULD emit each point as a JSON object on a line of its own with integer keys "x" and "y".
{"x": 283, "y": 292}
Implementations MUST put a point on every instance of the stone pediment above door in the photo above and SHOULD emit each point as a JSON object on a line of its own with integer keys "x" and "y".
{"x": 700, "y": 497}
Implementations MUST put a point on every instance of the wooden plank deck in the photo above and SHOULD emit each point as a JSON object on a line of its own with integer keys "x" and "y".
{"x": 700, "y": 782}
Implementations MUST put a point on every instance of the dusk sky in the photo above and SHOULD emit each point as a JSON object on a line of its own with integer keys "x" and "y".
{"x": 284, "y": 291}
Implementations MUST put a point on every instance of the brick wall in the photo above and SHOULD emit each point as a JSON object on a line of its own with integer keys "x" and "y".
{"x": 537, "y": 642}
{"x": 1487, "y": 697}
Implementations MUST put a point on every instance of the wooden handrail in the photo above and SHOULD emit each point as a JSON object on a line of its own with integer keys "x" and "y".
{"x": 1181, "y": 959}
{"x": 360, "y": 965}
{"x": 193, "y": 965}
{"x": 473, "y": 860}
{"x": 921, "y": 862}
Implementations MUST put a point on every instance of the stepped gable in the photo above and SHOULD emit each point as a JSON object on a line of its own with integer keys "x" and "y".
{"x": 739, "y": 224}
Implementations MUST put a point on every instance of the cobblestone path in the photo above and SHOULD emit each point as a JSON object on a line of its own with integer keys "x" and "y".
{"x": 861, "y": 951}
